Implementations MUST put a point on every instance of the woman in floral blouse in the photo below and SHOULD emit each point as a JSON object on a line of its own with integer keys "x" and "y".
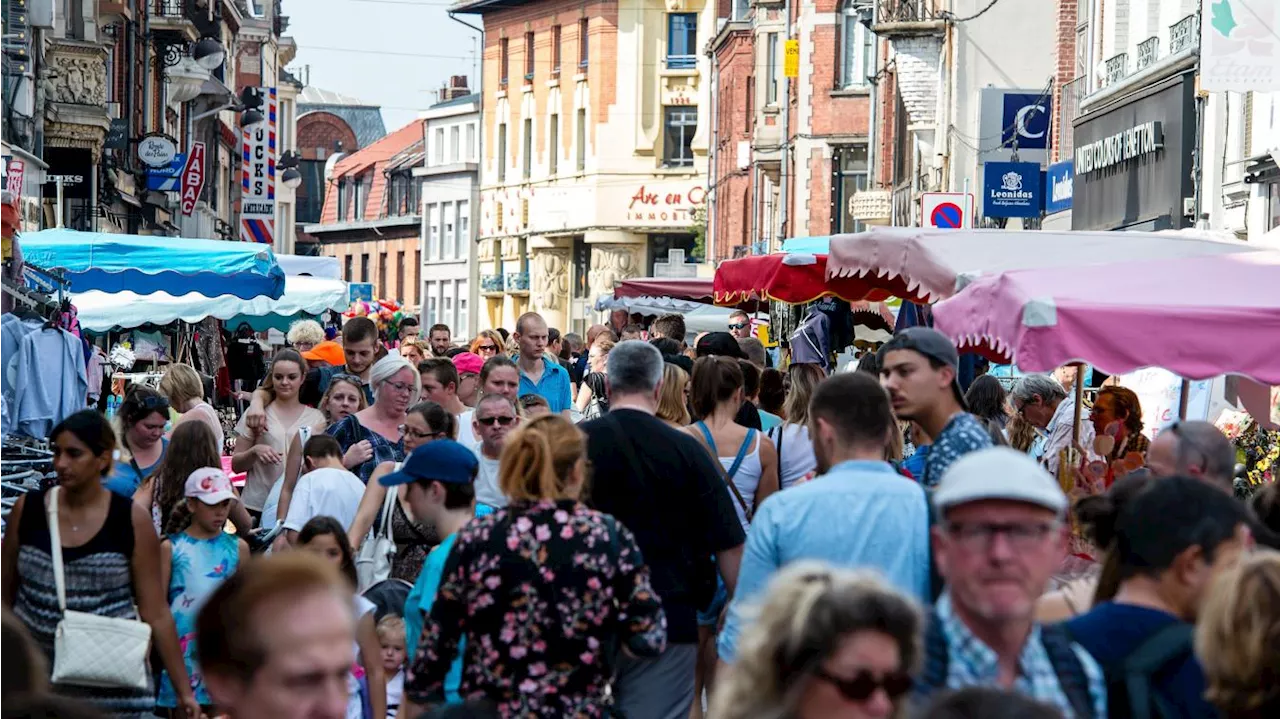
{"x": 545, "y": 592}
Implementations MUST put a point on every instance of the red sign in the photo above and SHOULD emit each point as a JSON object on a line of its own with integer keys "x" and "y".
{"x": 13, "y": 182}
{"x": 192, "y": 178}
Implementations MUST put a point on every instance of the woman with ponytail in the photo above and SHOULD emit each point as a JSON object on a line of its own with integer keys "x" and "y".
{"x": 543, "y": 591}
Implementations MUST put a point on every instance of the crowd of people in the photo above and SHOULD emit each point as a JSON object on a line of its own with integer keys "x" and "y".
{"x": 629, "y": 523}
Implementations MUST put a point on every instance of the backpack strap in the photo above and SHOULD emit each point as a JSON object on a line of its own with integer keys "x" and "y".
{"x": 1175, "y": 641}
{"x": 1069, "y": 669}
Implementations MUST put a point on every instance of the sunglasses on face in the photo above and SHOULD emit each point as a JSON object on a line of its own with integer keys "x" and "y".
{"x": 490, "y": 421}
{"x": 486, "y": 348}
{"x": 864, "y": 684}
{"x": 739, "y": 325}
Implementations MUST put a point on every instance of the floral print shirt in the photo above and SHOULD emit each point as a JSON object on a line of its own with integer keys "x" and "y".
{"x": 545, "y": 595}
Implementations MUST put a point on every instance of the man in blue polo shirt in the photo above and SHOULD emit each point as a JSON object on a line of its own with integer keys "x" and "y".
{"x": 441, "y": 493}
{"x": 539, "y": 374}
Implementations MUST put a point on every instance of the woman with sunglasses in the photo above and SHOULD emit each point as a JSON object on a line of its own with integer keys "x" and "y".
{"x": 261, "y": 453}
{"x": 372, "y": 435}
{"x": 487, "y": 344}
{"x": 828, "y": 644}
{"x": 140, "y": 424}
{"x": 425, "y": 422}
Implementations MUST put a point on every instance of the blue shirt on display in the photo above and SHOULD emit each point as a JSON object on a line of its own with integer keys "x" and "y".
{"x": 554, "y": 386}
{"x": 860, "y": 514}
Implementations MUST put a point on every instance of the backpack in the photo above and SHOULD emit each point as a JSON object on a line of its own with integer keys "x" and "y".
{"x": 1130, "y": 690}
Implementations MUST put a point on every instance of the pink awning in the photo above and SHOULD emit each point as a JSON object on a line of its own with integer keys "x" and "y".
{"x": 693, "y": 289}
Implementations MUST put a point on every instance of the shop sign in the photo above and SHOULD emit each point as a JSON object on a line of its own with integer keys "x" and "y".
{"x": 258, "y": 175}
{"x": 359, "y": 291}
{"x": 1058, "y": 186}
{"x": 1239, "y": 46}
{"x": 1137, "y": 141}
{"x": 791, "y": 59}
{"x": 72, "y": 166}
{"x": 117, "y": 135}
{"x": 14, "y": 173}
{"x": 662, "y": 206}
{"x": 192, "y": 178}
{"x": 167, "y": 178}
{"x": 1018, "y": 116}
{"x": 1011, "y": 189}
{"x": 157, "y": 150}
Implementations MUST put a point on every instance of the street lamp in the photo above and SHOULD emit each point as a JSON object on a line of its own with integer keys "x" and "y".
{"x": 251, "y": 101}
{"x": 208, "y": 53}
{"x": 288, "y": 162}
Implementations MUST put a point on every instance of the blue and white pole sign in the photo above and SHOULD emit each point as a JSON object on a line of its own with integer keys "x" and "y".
{"x": 1011, "y": 189}
{"x": 1058, "y": 181}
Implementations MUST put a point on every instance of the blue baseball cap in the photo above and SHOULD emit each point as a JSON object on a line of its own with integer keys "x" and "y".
{"x": 443, "y": 460}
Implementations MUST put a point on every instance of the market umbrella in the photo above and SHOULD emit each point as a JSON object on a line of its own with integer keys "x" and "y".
{"x": 143, "y": 265}
{"x": 927, "y": 265}
{"x": 1198, "y": 317}
{"x": 692, "y": 289}
{"x": 792, "y": 278}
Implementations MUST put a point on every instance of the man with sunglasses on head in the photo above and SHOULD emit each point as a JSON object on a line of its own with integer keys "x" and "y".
{"x": 1001, "y": 535}
{"x": 495, "y": 417}
{"x": 1194, "y": 449}
{"x": 1043, "y": 402}
{"x": 740, "y": 325}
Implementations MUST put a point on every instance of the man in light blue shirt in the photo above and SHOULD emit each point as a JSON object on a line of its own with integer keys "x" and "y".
{"x": 539, "y": 374}
{"x": 860, "y": 514}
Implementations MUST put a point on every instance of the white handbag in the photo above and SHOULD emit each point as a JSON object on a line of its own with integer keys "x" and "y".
{"x": 373, "y": 564}
{"x": 89, "y": 650}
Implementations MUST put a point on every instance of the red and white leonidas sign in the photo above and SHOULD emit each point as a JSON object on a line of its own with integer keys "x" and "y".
{"x": 192, "y": 178}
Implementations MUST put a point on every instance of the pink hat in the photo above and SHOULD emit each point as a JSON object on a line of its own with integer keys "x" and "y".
{"x": 210, "y": 485}
{"x": 468, "y": 363}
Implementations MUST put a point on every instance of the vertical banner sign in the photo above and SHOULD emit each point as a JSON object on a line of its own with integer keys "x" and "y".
{"x": 13, "y": 181}
{"x": 791, "y": 59}
{"x": 258, "y": 185}
{"x": 192, "y": 178}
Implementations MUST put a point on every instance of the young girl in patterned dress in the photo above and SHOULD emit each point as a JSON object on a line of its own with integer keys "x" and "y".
{"x": 193, "y": 562}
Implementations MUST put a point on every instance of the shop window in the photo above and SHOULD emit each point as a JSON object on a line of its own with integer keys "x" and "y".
{"x": 679, "y": 126}
{"x": 853, "y": 174}
{"x": 682, "y": 40}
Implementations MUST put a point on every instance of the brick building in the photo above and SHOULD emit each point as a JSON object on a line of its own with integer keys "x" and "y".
{"x": 595, "y": 141}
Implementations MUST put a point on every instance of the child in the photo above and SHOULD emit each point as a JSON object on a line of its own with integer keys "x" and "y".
{"x": 391, "y": 636}
{"x": 325, "y": 537}
{"x": 326, "y": 490}
{"x": 193, "y": 562}
{"x": 532, "y": 405}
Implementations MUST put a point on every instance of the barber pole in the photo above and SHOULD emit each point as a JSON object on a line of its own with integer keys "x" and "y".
{"x": 192, "y": 178}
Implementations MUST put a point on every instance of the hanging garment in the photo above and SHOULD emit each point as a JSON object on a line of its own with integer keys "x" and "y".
{"x": 50, "y": 383}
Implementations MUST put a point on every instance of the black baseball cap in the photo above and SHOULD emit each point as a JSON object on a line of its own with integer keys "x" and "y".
{"x": 932, "y": 344}
{"x": 719, "y": 344}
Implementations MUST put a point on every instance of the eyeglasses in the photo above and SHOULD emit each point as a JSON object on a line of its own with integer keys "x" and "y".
{"x": 739, "y": 325}
{"x": 407, "y": 431}
{"x": 490, "y": 421}
{"x": 978, "y": 536}
{"x": 401, "y": 387}
{"x": 486, "y": 348}
{"x": 864, "y": 684}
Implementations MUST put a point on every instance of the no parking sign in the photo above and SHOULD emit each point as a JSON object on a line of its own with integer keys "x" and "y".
{"x": 946, "y": 210}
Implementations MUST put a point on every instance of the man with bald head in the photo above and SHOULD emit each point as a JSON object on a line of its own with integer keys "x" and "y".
{"x": 1194, "y": 449}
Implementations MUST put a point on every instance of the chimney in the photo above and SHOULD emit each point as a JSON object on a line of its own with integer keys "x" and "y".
{"x": 456, "y": 88}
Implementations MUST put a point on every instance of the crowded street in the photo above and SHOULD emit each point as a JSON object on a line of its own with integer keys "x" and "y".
{"x": 853, "y": 359}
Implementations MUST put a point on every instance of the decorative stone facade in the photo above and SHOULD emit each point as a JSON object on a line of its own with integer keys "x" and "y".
{"x": 73, "y": 91}
{"x": 610, "y": 265}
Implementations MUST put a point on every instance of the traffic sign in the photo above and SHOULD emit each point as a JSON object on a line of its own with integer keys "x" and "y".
{"x": 946, "y": 210}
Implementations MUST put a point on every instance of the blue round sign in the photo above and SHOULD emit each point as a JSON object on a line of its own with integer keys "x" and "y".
{"x": 947, "y": 215}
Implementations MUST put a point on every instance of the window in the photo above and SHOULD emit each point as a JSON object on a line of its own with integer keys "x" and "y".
{"x": 349, "y": 268}
{"x": 433, "y": 232}
{"x": 504, "y": 60}
{"x": 771, "y": 69}
{"x": 1084, "y": 13}
{"x": 555, "y": 49}
{"x": 344, "y": 201}
{"x": 682, "y": 40}
{"x": 553, "y": 145}
{"x": 528, "y": 56}
{"x": 431, "y": 303}
{"x": 448, "y": 242}
{"x": 463, "y": 325}
{"x": 439, "y": 146}
{"x": 453, "y": 143}
{"x": 384, "y": 281}
{"x": 858, "y": 43}
{"x": 740, "y": 9}
{"x": 447, "y": 311}
{"x": 364, "y": 267}
{"x": 581, "y": 268}
{"x": 528, "y": 147}
{"x": 679, "y": 126}
{"x": 471, "y": 142}
{"x": 360, "y": 198}
{"x": 584, "y": 48}
{"x": 463, "y": 238}
{"x": 417, "y": 278}
{"x": 502, "y": 152}
{"x": 400, "y": 288}
{"x": 852, "y": 176}
{"x": 582, "y": 139}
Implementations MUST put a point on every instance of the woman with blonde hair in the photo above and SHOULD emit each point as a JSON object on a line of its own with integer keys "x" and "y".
{"x": 593, "y": 397}
{"x": 182, "y": 385}
{"x": 827, "y": 643}
{"x": 1238, "y": 639}
{"x": 795, "y": 450}
{"x": 487, "y": 344}
{"x": 558, "y": 586}
{"x": 304, "y": 335}
{"x": 673, "y": 404}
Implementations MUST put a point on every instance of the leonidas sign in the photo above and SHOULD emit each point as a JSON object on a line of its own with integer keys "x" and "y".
{"x": 1121, "y": 147}
{"x": 659, "y": 204}
{"x": 192, "y": 178}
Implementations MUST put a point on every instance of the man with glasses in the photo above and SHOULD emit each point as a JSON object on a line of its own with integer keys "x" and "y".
{"x": 494, "y": 419}
{"x": 1043, "y": 402}
{"x": 1194, "y": 449}
{"x": 1000, "y": 538}
{"x": 540, "y": 374}
{"x": 740, "y": 324}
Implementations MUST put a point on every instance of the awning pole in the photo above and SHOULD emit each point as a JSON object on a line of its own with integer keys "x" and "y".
{"x": 1184, "y": 396}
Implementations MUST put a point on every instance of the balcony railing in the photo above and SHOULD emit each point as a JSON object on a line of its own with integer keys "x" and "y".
{"x": 890, "y": 11}
{"x": 1069, "y": 109}
{"x": 170, "y": 8}
{"x": 682, "y": 62}
{"x": 1148, "y": 51}
{"x": 1184, "y": 34}
{"x": 491, "y": 284}
{"x": 517, "y": 282}
{"x": 1117, "y": 68}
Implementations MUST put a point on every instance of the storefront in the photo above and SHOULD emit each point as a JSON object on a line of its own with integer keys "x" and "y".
{"x": 1134, "y": 160}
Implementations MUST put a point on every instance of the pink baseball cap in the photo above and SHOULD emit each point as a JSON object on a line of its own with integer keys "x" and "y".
{"x": 210, "y": 485}
{"x": 468, "y": 363}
